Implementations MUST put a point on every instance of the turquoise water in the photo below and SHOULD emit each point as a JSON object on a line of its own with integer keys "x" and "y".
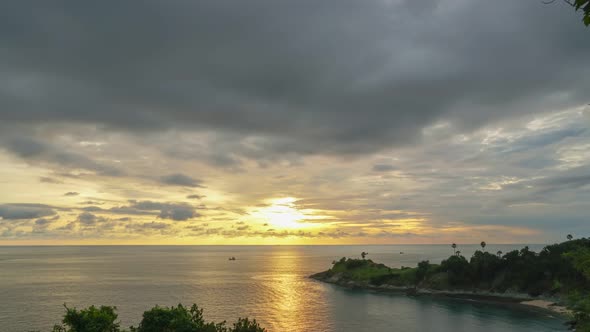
{"x": 266, "y": 282}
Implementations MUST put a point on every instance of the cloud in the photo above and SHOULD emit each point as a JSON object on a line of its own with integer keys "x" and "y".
{"x": 177, "y": 213}
{"x": 372, "y": 112}
{"x": 89, "y": 219}
{"x": 383, "y": 168}
{"x": 25, "y": 211}
{"x": 180, "y": 180}
{"x": 33, "y": 149}
{"x": 149, "y": 225}
{"x": 71, "y": 193}
{"x": 42, "y": 222}
{"x": 173, "y": 211}
{"x": 351, "y": 80}
{"x": 45, "y": 179}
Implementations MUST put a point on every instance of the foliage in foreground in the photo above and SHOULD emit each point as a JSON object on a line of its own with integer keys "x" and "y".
{"x": 157, "y": 319}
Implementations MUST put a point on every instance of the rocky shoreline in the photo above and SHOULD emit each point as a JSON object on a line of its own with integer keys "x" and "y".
{"x": 552, "y": 305}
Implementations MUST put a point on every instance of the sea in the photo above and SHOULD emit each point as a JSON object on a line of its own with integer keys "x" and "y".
{"x": 268, "y": 283}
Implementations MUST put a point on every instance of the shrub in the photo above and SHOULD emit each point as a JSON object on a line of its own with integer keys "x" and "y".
{"x": 92, "y": 319}
{"x": 158, "y": 319}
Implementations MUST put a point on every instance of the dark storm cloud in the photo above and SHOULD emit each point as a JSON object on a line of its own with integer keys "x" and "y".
{"x": 180, "y": 180}
{"x": 25, "y": 211}
{"x": 309, "y": 76}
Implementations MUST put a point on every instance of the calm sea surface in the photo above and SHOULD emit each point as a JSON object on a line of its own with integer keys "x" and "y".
{"x": 265, "y": 282}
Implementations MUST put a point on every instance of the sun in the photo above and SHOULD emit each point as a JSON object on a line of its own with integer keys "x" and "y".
{"x": 283, "y": 213}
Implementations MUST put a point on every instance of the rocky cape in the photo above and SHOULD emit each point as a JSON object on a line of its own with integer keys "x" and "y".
{"x": 551, "y": 304}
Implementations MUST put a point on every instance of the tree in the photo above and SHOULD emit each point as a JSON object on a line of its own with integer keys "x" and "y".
{"x": 422, "y": 270}
{"x": 499, "y": 253}
{"x": 157, "y": 319}
{"x": 92, "y": 319}
{"x": 584, "y": 5}
{"x": 364, "y": 254}
{"x": 458, "y": 270}
{"x": 177, "y": 318}
{"x": 569, "y": 237}
{"x": 454, "y": 245}
{"x": 458, "y": 253}
{"x": 580, "y": 259}
{"x": 246, "y": 325}
{"x": 483, "y": 245}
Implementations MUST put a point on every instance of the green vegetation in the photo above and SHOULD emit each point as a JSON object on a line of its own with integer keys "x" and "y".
{"x": 558, "y": 271}
{"x": 579, "y": 5}
{"x": 157, "y": 319}
{"x": 583, "y": 5}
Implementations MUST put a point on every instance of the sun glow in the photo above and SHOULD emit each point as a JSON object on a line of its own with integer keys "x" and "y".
{"x": 283, "y": 214}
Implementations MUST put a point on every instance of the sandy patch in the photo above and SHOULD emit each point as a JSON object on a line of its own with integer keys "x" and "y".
{"x": 548, "y": 305}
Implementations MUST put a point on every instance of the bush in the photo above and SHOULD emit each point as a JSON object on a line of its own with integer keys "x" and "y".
{"x": 157, "y": 319}
{"x": 91, "y": 319}
{"x": 246, "y": 325}
{"x": 173, "y": 319}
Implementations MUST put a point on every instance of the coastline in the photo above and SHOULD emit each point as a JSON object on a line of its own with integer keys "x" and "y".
{"x": 551, "y": 305}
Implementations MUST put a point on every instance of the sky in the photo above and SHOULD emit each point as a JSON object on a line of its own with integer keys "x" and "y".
{"x": 293, "y": 122}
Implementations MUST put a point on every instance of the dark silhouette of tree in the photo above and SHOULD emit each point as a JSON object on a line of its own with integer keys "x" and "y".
{"x": 454, "y": 245}
{"x": 483, "y": 245}
{"x": 569, "y": 237}
{"x": 458, "y": 253}
{"x": 364, "y": 254}
{"x": 499, "y": 253}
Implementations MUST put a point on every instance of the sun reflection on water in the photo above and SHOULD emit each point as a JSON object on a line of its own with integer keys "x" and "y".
{"x": 295, "y": 301}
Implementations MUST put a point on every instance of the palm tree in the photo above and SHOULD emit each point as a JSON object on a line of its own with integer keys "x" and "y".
{"x": 454, "y": 245}
{"x": 483, "y": 245}
{"x": 363, "y": 254}
{"x": 499, "y": 253}
{"x": 569, "y": 237}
